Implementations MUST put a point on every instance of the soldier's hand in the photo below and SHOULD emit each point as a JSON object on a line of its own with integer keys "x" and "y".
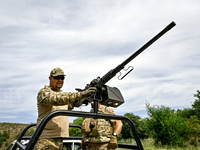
{"x": 84, "y": 95}
{"x": 88, "y": 91}
{"x": 113, "y": 142}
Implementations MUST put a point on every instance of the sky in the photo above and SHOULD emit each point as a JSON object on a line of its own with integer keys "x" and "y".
{"x": 87, "y": 39}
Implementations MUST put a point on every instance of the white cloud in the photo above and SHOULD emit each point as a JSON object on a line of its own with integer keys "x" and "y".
{"x": 89, "y": 38}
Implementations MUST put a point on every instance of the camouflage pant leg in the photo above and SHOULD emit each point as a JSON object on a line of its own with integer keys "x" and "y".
{"x": 49, "y": 144}
{"x": 98, "y": 148}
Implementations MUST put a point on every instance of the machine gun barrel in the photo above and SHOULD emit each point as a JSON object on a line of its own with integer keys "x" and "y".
{"x": 113, "y": 72}
{"x": 111, "y": 96}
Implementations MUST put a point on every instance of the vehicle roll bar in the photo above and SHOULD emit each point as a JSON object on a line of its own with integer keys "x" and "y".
{"x": 45, "y": 120}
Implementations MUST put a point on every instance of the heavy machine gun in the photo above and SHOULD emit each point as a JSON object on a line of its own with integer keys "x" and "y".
{"x": 111, "y": 96}
{"x": 106, "y": 95}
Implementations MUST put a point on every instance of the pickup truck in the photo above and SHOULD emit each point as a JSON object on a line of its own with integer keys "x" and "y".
{"x": 69, "y": 143}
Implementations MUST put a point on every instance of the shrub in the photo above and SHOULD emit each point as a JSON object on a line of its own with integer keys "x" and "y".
{"x": 193, "y": 122}
{"x": 166, "y": 127}
{"x": 3, "y": 137}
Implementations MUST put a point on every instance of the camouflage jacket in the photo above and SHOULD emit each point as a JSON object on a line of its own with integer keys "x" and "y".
{"x": 100, "y": 129}
{"x": 49, "y": 101}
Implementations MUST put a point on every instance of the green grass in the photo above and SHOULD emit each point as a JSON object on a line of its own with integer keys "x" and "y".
{"x": 148, "y": 144}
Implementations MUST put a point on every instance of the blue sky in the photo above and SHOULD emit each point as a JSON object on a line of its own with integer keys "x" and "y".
{"x": 87, "y": 39}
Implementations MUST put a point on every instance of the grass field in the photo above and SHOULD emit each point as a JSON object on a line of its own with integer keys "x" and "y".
{"x": 148, "y": 144}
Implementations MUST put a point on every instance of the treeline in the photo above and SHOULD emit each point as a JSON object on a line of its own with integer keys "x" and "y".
{"x": 165, "y": 125}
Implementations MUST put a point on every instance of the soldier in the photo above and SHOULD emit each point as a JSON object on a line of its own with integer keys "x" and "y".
{"x": 101, "y": 134}
{"x": 49, "y": 99}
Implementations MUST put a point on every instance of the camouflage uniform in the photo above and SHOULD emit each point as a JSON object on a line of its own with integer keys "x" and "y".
{"x": 103, "y": 146}
{"x": 49, "y": 144}
{"x": 47, "y": 102}
{"x": 100, "y": 132}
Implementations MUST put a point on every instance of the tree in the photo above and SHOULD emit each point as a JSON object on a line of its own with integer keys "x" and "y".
{"x": 186, "y": 112}
{"x": 139, "y": 124}
{"x": 74, "y": 131}
{"x": 196, "y": 104}
{"x": 166, "y": 127}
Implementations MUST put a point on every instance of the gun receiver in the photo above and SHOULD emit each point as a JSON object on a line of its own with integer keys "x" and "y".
{"x": 102, "y": 94}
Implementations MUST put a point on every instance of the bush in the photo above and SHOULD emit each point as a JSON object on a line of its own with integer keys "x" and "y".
{"x": 166, "y": 127}
{"x": 193, "y": 122}
{"x": 3, "y": 137}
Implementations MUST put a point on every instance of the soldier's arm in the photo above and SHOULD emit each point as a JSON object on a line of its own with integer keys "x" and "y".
{"x": 118, "y": 127}
{"x": 118, "y": 123}
{"x": 49, "y": 97}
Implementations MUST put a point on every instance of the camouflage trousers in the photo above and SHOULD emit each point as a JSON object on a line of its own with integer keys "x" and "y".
{"x": 49, "y": 144}
{"x": 99, "y": 146}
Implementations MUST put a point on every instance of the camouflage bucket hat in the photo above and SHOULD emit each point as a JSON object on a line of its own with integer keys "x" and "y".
{"x": 57, "y": 72}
